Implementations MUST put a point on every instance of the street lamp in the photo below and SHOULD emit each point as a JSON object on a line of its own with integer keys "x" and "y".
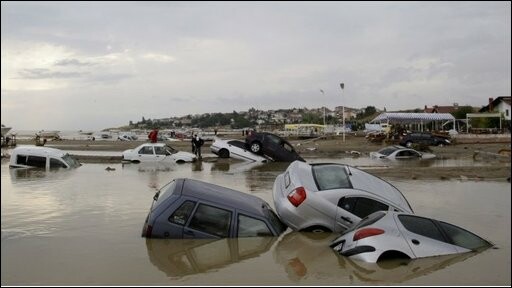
{"x": 323, "y": 94}
{"x": 342, "y": 85}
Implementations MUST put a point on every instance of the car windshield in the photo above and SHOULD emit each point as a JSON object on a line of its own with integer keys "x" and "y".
{"x": 387, "y": 150}
{"x": 72, "y": 162}
{"x": 331, "y": 176}
{"x": 276, "y": 222}
{"x": 170, "y": 149}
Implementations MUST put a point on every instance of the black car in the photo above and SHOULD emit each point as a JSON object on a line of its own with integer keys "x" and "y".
{"x": 272, "y": 146}
{"x": 424, "y": 138}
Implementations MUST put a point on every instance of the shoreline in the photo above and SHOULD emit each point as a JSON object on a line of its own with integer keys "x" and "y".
{"x": 334, "y": 147}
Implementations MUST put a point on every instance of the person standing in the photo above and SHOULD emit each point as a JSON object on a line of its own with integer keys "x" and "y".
{"x": 153, "y": 135}
{"x": 198, "y": 142}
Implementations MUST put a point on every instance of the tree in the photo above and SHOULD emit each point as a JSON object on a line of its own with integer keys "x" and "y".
{"x": 461, "y": 112}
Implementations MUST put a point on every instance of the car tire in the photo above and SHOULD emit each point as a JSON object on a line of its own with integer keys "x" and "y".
{"x": 256, "y": 147}
{"x": 440, "y": 144}
{"x": 317, "y": 229}
{"x": 224, "y": 153}
{"x": 408, "y": 144}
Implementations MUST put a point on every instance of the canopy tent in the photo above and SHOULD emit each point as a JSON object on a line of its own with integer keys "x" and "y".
{"x": 413, "y": 118}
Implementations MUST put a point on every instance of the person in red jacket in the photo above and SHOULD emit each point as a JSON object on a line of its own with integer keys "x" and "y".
{"x": 153, "y": 135}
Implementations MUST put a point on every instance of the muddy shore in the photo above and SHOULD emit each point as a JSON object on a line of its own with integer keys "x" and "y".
{"x": 335, "y": 147}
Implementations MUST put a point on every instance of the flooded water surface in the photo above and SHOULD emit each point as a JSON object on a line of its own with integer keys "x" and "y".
{"x": 83, "y": 227}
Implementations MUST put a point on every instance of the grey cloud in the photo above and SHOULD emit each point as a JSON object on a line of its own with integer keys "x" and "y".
{"x": 72, "y": 62}
{"x": 48, "y": 74}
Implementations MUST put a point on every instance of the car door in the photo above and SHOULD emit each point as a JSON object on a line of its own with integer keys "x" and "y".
{"x": 423, "y": 236}
{"x": 351, "y": 209}
{"x": 209, "y": 221}
{"x": 146, "y": 154}
{"x": 161, "y": 154}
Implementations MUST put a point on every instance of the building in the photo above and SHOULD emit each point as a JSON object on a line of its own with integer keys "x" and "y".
{"x": 498, "y": 105}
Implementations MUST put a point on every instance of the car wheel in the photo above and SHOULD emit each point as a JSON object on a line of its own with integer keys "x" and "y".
{"x": 256, "y": 147}
{"x": 180, "y": 161}
{"x": 408, "y": 144}
{"x": 317, "y": 229}
{"x": 224, "y": 153}
{"x": 440, "y": 144}
{"x": 135, "y": 161}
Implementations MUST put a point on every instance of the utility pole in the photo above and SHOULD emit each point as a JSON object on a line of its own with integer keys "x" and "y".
{"x": 342, "y": 85}
{"x": 323, "y": 94}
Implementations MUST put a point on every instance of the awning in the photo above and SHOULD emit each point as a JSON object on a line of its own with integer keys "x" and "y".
{"x": 413, "y": 117}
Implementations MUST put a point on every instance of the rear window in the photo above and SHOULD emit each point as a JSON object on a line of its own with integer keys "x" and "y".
{"x": 331, "y": 176}
{"x": 387, "y": 151}
{"x": 72, "y": 162}
{"x": 164, "y": 193}
{"x": 463, "y": 238}
{"x": 367, "y": 221}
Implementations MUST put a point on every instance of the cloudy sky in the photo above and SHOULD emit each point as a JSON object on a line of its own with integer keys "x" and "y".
{"x": 93, "y": 65}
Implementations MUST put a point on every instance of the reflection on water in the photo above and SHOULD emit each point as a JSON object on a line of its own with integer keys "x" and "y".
{"x": 82, "y": 227}
{"x": 178, "y": 258}
{"x": 397, "y": 271}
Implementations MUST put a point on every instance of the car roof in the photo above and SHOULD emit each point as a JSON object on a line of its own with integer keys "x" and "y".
{"x": 38, "y": 150}
{"x": 225, "y": 196}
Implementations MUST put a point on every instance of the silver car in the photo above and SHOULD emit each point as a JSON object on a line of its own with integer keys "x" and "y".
{"x": 397, "y": 152}
{"x": 331, "y": 197}
{"x": 391, "y": 234}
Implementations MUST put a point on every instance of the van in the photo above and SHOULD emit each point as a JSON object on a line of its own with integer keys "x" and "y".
{"x": 41, "y": 157}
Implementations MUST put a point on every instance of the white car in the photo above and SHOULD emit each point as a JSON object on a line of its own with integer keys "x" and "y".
{"x": 157, "y": 152}
{"x": 329, "y": 197}
{"x": 235, "y": 149}
{"x": 392, "y": 234}
{"x": 41, "y": 157}
{"x": 397, "y": 152}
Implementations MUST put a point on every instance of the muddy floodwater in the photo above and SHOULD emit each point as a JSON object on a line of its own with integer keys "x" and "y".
{"x": 82, "y": 227}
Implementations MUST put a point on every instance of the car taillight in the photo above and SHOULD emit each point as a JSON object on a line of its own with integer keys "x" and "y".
{"x": 367, "y": 232}
{"x": 297, "y": 196}
{"x": 149, "y": 229}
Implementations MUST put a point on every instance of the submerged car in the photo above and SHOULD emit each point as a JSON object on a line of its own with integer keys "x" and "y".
{"x": 392, "y": 234}
{"x": 41, "y": 157}
{"x": 329, "y": 197}
{"x": 397, "y": 152}
{"x": 272, "y": 146}
{"x": 187, "y": 208}
{"x": 157, "y": 152}
{"x": 235, "y": 149}
{"x": 424, "y": 138}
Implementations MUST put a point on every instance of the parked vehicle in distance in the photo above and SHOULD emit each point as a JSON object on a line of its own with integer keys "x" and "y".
{"x": 424, "y": 138}
{"x": 272, "y": 146}
{"x": 399, "y": 153}
{"x": 128, "y": 136}
{"x": 329, "y": 197}
{"x": 187, "y": 208}
{"x": 392, "y": 234}
{"x": 157, "y": 152}
{"x": 235, "y": 149}
{"x": 41, "y": 157}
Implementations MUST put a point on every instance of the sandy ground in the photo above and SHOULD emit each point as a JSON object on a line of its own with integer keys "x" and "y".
{"x": 498, "y": 168}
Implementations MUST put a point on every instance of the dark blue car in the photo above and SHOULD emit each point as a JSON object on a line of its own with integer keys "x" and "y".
{"x": 187, "y": 208}
{"x": 272, "y": 146}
